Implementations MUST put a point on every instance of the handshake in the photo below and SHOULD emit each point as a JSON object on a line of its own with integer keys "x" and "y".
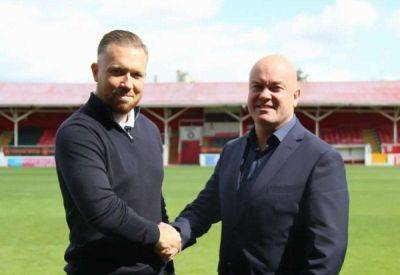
{"x": 169, "y": 243}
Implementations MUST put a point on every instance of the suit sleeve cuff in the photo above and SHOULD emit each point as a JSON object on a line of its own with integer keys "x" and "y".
{"x": 182, "y": 225}
{"x": 153, "y": 235}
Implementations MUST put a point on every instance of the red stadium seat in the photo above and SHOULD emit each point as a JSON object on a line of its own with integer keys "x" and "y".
{"x": 48, "y": 137}
{"x": 342, "y": 135}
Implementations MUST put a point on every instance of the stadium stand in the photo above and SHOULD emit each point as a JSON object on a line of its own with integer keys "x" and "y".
{"x": 358, "y": 135}
{"x": 346, "y": 114}
{"x": 36, "y": 136}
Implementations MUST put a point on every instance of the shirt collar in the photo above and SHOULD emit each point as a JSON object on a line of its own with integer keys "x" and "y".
{"x": 131, "y": 120}
{"x": 276, "y": 137}
{"x": 282, "y": 132}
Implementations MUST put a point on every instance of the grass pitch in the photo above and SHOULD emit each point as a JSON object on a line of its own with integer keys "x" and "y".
{"x": 33, "y": 232}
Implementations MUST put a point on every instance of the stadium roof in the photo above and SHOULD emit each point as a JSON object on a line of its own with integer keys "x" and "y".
{"x": 350, "y": 94}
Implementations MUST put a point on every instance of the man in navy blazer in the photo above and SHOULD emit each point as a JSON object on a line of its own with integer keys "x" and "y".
{"x": 280, "y": 191}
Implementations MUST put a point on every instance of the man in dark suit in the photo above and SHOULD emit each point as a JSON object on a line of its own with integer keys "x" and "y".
{"x": 109, "y": 165}
{"x": 280, "y": 191}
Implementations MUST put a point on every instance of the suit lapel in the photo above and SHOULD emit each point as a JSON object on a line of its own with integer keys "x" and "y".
{"x": 288, "y": 145}
{"x": 230, "y": 178}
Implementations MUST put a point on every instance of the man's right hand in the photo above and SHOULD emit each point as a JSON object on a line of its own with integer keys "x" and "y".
{"x": 169, "y": 243}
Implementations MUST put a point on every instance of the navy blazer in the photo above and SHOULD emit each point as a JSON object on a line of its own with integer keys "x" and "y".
{"x": 293, "y": 220}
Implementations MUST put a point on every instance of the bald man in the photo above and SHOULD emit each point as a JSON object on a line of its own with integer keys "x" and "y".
{"x": 280, "y": 191}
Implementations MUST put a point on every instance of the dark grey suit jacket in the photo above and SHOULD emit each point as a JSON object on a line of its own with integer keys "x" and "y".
{"x": 294, "y": 219}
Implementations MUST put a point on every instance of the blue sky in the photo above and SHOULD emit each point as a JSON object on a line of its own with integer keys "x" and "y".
{"x": 213, "y": 40}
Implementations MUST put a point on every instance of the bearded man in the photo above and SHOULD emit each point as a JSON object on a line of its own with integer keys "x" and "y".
{"x": 109, "y": 166}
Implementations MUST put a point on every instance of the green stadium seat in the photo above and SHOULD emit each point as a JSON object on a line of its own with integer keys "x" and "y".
{"x": 29, "y": 135}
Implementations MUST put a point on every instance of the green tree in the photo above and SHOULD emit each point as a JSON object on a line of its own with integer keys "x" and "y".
{"x": 181, "y": 76}
{"x": 301, "y": 76}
